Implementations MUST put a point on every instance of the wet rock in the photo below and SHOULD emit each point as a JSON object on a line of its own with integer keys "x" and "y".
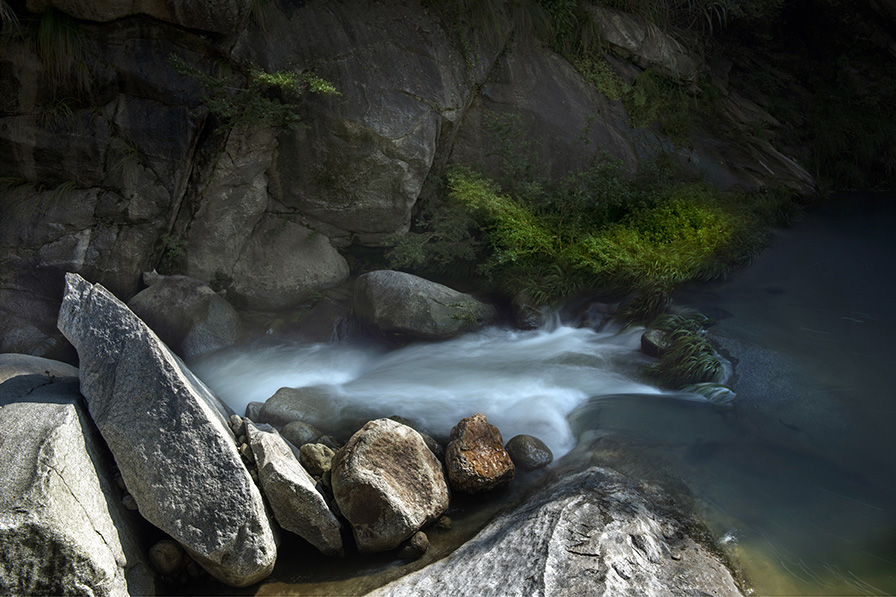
{"x": 415, "y": 547}
{"x": 594, "y": 533}
{"x": 387, "y": 484}
{"x": 63, "y": 530}
{"x": 403, "y": 306}
{"x": 316, "y": 458}
{"x": 291, "y": 492}
{"x": 188, "y": 479}
{"x": 655, "y": 343}
{"x": 475, "y": 458}
{"x": 299, "y": 433}
{"x": 312, "y": 405}
{"x": 187, "y": 315}
{"x": 529, "y": 453}
{"x": 526, "y": 313}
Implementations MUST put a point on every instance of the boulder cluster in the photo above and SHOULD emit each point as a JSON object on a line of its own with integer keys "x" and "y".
{"x": 219, "y": 485}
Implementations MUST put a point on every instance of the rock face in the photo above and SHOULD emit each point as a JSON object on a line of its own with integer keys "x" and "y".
{"x": 357, "y": 168}
{"x": 596, "y": 533}
{"x": 218, "y": 17}
{"x": 63, "y": 529}
{"x": 169, "y": 435}
{"x": 387, "y": 484}
{"x": 529, "y": 453}
{"x": 298, "y": 506}
{"x": 475, "y": 458}
{"x": 647, "y": 46}
{"x": 402, "y": 305}
{"x": 187, "y": 315}
{"x": 139, "y": 177}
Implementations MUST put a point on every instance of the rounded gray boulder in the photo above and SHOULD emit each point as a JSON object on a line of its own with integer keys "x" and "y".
{"x": 406, "y": 307}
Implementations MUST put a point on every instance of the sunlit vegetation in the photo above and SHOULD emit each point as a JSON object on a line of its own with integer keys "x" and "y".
{"x": 259, "y": 98}
{"x": 596, "y": 230}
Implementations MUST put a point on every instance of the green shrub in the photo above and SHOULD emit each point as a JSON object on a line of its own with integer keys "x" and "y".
{"x": 690, "y": 359}
{"x": 264, "y": 98}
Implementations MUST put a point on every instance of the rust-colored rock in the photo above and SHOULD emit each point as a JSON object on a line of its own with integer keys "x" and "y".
{"x": 475, "y": 458}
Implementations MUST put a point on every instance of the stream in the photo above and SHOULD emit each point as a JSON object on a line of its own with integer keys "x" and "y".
{"x": 797, "y": 477}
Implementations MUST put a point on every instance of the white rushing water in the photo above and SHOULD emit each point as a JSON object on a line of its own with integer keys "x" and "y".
{"x": 522, "y": 381}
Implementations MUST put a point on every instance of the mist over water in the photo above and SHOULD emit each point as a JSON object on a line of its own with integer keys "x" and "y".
{"x": 522, "y": 381}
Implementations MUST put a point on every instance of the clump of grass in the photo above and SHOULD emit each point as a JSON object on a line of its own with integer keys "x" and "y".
{"x": 690, "y": 359}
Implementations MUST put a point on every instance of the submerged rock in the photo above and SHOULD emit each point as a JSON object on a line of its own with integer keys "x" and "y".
{"x": 595, "y": 533}
{"x": 298, "y": 506}
{"x": 475, "y": 458}
{"x": 387, "y": 484}
{"x": 63, "y": 530}
{"x": 404, "y": 306}
{"x": 170, "y": 437}
{"x": 529, "y": 453}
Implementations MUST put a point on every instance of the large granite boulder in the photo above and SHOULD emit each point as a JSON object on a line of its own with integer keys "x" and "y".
{"x": 291, "y": 492}
{"x": 475, "y": 458}
{"x": 595, "y": 533}
{"x": 387, "y": 484}
{"x": 63, "y": 530}
{"x": 168, "y": 433}
{"x": 187, "y": 315}
{"x": 404, "y": 306}
{"x": 265, "y": 261}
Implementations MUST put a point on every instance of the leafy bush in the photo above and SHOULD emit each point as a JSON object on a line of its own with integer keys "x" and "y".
{"x": 644, "y": 243}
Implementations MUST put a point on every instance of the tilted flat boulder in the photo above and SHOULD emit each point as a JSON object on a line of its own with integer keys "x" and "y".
{"x": 594, "y": 533}
{"x": 297, "y": 504}
{"x": 405, "y": 306}
{"x": 168, "y": 433}
{"x": 63, "y": 530}
{"x": 475, "y": 458}
{"x": 387, "y": 484}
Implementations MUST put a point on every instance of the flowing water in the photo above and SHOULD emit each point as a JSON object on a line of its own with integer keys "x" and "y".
{"x": 797, "y": 477}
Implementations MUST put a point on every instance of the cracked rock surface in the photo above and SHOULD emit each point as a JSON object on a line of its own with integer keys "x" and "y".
{"x": 595, "y": 533}
{"x": 62, "y": 528}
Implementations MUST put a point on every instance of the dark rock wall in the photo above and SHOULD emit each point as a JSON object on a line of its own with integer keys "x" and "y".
{"x": 129, "y": 172}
